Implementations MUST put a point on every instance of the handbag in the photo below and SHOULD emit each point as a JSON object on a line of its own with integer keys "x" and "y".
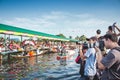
{"x": 78, "y": 59}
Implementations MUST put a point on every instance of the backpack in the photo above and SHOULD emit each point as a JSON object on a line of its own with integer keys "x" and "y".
{"x": 117, "y": 48}
{"x": 117, "y": 75}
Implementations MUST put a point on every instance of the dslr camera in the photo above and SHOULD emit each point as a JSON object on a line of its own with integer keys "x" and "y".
{"x": 99, "y": 44}
{"x": 88, "y": 45}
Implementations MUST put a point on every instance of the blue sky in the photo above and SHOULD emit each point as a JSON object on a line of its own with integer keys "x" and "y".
{"x": 70, "y": 17}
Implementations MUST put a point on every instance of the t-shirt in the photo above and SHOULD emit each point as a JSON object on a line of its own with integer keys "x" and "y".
{"x": 90, "y": 65}
{"x": 112, "y": 63}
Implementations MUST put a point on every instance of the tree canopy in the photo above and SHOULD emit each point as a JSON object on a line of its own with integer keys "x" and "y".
{"x": 61, "y": 35}
{"x": 81, "y": 38}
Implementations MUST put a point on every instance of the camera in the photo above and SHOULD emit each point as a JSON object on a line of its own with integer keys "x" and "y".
{"x": 92, "y": 45}
{"x": 89, "y": 45}
{"x": 99, "y": 44}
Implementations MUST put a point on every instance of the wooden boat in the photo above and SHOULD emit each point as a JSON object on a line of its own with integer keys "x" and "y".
{"x": 29, "y": 55}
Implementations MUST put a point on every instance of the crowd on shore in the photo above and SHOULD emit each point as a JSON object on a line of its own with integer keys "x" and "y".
{"x": 7, "y": 45}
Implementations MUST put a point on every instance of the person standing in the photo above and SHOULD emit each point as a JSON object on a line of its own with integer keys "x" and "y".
{"x": 116, "y": 27}
{"x": 111, "y": 62}
{"x": 82, "y": 62}
{"x": 90, "y": 56}
{"x": 110, "y": 30}
{"x": 98, "y": 32}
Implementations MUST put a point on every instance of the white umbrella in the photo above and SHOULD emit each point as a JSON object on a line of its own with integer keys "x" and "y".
{"x": 29, "y": 42}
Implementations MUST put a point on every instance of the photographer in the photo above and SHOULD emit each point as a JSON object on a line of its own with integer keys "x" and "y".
{"x": 98, "y": 32}
{"x": 111, "y": 30}
{"x": 82, "y": 63}
{"x": 116, "y": 27}
{"x": 90, "y": 56}
{"x": 111, "y": 62}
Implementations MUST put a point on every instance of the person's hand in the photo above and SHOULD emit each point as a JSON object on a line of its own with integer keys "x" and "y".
{"x": 114, "y": 24}
{"x": 98, "y": 54}
{"x": 81, "y": 47}
{"x": 97, "y": 49}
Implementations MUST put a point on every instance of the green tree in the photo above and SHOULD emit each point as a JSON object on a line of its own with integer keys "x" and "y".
{"x": 82, "y": 38}
{"x": 77, "y": 38}
{"x": 61, "y": 35}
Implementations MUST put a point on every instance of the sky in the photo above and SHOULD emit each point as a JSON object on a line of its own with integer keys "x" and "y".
{"x": 69, "y": 17}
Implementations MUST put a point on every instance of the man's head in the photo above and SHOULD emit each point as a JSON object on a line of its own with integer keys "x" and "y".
{"x": 110, "y": 28}
{"x": 98, "y": 31}
{"x": 110, "y": 40}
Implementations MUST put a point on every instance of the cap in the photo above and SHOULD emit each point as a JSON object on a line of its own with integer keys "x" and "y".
{"x": 93, "y": 38}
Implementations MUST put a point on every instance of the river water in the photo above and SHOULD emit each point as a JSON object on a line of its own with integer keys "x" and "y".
{"x": 44, "y": 67}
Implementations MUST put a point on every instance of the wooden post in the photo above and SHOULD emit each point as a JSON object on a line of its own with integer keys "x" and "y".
{"x": 36, "y": 55}
{"x": 9, "y": 37}
{"x": 0, "y": 59}
{"x": 5, "y": 41}
{"x": 21, "y": 38}
{"x": 9, "y": 58}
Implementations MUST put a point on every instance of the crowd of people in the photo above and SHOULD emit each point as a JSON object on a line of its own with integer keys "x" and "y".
{"x": 7, "y": 45}
{"x": 100, "y": 58}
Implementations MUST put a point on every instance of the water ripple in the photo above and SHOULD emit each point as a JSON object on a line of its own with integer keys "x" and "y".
{"x": 44, "y": 67}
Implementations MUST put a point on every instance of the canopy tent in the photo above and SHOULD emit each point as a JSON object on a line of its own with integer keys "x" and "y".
{"x": 7, "y": 29}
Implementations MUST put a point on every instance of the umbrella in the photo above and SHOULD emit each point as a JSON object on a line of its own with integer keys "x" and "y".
{"x": 29, "y": 42}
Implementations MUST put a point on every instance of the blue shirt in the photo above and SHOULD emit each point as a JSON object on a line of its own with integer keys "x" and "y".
{"x": 90, "y": 65}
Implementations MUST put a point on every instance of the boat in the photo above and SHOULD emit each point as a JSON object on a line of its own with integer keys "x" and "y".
{"x": 30, "y": 54}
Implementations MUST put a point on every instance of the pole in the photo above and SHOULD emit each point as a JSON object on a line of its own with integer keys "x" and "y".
{"x": 0, "y": 59}
{"x": 21, "y": 38}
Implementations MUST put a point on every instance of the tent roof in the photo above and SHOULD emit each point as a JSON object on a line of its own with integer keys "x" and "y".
{"x": 25, "y": 32}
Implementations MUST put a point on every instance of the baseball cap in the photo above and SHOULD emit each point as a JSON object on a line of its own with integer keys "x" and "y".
{"x": 93, "y": 38}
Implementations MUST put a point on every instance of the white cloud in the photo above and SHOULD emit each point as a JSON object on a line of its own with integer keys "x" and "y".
{"x": 60, "y": 22}
{"x": 85, "y": 15}
{"x": 25, "y": 22}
